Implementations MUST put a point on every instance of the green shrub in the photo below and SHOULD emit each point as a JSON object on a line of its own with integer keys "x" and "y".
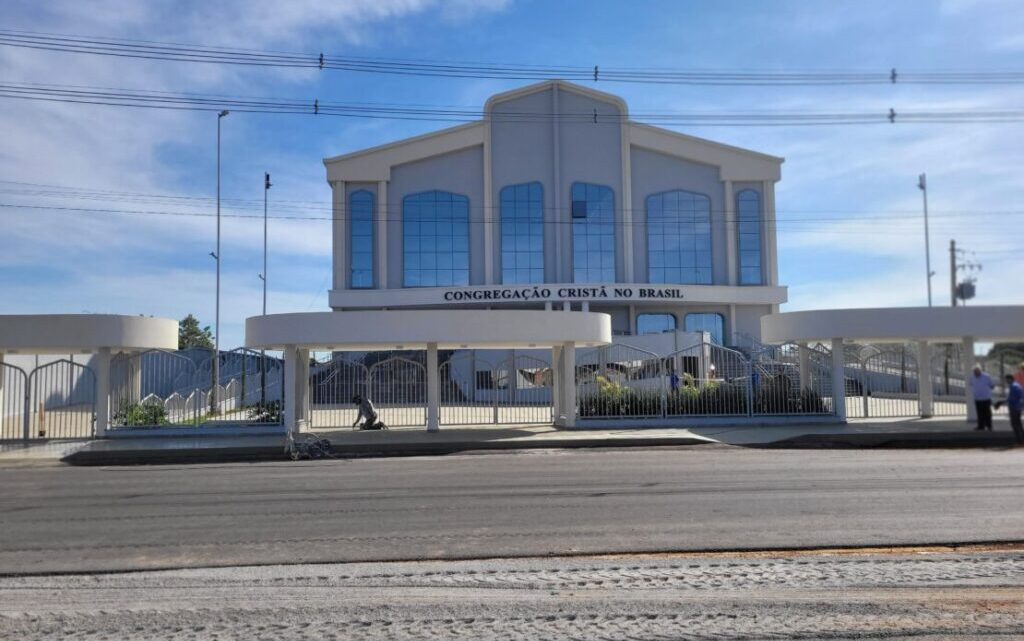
{"x": 140, "y": 414}
{"x": 269, "y": 412}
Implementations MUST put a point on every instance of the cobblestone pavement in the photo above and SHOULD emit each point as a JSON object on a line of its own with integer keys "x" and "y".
{"x": 930, "y": 594}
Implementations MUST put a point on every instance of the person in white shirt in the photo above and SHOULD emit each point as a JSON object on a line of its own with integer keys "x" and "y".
{"x": 981, "y": 390}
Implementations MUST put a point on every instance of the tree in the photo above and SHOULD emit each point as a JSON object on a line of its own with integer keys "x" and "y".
{"x": 191, "y": 335}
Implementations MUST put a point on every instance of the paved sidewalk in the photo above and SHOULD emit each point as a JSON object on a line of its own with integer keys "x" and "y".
{"x": 906, "y": 433}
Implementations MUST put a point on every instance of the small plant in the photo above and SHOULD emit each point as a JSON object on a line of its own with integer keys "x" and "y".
{"x": 269, "y": 412}
{"x": 141, "y": 414}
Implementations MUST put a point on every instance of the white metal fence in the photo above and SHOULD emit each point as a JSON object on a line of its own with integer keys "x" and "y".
{"x": 54, "y": 400}
{"x": 163, "y": 388}
{"x": 624, "y": 382}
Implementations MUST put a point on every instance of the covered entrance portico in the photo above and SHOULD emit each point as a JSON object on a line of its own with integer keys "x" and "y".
{"x": 430, "y": 331}
{"x": 923, "y": 327}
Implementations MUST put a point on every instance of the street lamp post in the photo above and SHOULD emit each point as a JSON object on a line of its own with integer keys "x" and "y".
{"x": 215, "y": 396}
{"x": 922, "y": 184}
{"x": 263, "y": 277}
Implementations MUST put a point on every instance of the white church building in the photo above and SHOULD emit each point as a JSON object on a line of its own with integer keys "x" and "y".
{"x": 557, "y": 199}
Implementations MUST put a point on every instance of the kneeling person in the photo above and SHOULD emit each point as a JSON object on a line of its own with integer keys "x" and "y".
{"x": 367, "y": 412}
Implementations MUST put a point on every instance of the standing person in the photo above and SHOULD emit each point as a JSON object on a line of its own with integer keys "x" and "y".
{"x": 673, "y": 381}
{"x": 1014, "y": 403}
{"x": 981, "y": 390}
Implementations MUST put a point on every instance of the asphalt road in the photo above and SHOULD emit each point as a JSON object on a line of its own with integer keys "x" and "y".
{"x": 69, "y": 519}
{"x": 920, "y": 594}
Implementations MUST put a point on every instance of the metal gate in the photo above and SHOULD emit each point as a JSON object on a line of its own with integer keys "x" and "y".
{"x": 469, "y": 390}
{"x": 885, "y": 382}
{"x": 332, "y": 385}
{"x": 780, "y": 388}
{"x": 164, "y": 388}
{"x": 531, "y": 393}
{"x": 13, "y": 402}
{"x": 947, "y": 375}
{"x": 398, "y": 388}
{"x": 709, "y": 380}
{"x": 620, "y": 381}
{"x": 515, "y": 391}
{"x": 61, "y": 401}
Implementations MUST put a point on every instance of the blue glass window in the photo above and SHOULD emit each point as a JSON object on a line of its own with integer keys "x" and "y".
{"x": 679, "y": 238}
{"x": 655, "y": 323}
{"x": 360, "y": 216}
{"x": 706, "y": 322}
{"x": 522, "y": 233}
{"x": 593, "y": 234}
{"x": 435, "y": 228}
{"x": 748, "y": 216}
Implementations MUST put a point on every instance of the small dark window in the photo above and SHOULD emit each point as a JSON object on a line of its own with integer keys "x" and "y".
{"x": 484, "y": 380}
{"x": 579, "y": 209}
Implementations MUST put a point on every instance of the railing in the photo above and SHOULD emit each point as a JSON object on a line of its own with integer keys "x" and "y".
{"x": 624, "y": 382}
{"x": 163, "y": 388}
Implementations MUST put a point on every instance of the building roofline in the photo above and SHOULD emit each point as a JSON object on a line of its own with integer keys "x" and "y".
{"x": 561, "y": 84}
{"x": 704, "y": 141}
{"x": 404, "y": 141}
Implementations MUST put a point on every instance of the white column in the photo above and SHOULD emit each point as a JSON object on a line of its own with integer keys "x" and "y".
{"x": 102, "y": 373}
{"x": 2, "y": 377}
{"x": 291, "y": 415}
{"x": 730, "y": 233}
{"x": 838, "y": 379}
{"x": 585, "y": 306}
{"x": 382, "y": 234}
{"x": 490, "y": 216}
{"x": 556, "y": 383}
{"x": 301, "y": 389}
{"x": 569, "y": 383}
{"x": 771, "y": 267}
{"x": 925, "y": 392}
{"x": 805, "y": 366}
{"x": 433, "y": 389}
{"x": 338, "y": 227}
{"x": 627, "y": 205}
{"x": 968, "y": 358}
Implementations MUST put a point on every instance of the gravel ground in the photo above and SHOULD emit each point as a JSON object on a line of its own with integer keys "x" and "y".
{"x": 923, "y": 594}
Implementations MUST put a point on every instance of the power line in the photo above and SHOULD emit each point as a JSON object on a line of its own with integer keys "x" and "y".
{"x": 193, "y": 53}
{"x": 313, "y": 107}
{"x": 870, "y": 223}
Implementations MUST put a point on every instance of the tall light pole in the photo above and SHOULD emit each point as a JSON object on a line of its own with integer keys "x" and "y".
{"x": 266, "y": 188}
{"x": 263, "y": 277}
{"x": 922, "y": 184}
{"x": 215, "y": 397}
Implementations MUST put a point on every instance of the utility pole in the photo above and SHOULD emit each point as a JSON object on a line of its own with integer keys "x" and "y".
{"x": 215, "y": 396}
{"x": 922, "y": 184}
{"x": 952, "y": 272}
{"x": 965, "y": 289}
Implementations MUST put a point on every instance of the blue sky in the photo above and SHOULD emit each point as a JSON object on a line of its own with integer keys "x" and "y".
{"x": 60, "y": 261}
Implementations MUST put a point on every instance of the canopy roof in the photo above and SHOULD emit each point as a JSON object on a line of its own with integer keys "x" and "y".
{"x": 414, "y": 329}
{"x": 84, "y": 333}
{"x": 897, "y": 324}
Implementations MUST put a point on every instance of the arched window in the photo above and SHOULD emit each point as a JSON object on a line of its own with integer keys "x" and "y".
{"x": 435, "y": 227}
{"x": 706, "y": 322}
{"x": 593, "y": 233}
{"x": 655, "y": 323}
{"x": 679, "y": 238}
{"x": 748, "y": 216}
{"x": 360, "y": 216}
{"x": 522, "y": 233}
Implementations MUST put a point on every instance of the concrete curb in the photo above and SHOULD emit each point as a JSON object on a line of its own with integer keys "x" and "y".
{"x": 86, "y": 457}
{"x": 895, "y": 440}
{"x": 877, "y": 440}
